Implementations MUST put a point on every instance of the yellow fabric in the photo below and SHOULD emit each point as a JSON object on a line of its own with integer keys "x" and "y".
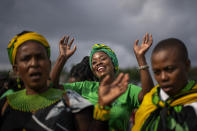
{"x": 144, "y": 110}
{"x": 18, "y": 40}
{"x": 101, "y": 113}
{"x": 147, "y": 107}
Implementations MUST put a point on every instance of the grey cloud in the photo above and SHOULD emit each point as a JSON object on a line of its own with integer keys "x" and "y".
{"x": 117, "y": 23}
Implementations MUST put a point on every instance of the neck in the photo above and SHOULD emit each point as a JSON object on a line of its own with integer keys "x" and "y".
{"x": 31, "y": 91}
{"x": 111, "y": 78}
{"x": 174, "y": 93}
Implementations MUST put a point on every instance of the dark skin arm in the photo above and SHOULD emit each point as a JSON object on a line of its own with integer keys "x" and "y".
{"x": 65, "y": 53}
{"x": 140, "y": 50}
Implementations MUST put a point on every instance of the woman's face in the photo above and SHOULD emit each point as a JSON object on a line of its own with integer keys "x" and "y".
{"x": 32, "y": 65}
{"x": 170, "y": 70}
{"x": 102, "y": 65}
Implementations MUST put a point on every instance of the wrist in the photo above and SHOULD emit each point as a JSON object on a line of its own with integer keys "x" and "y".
{"x": 62, "y": 58}
{"x": 143, "y": 67}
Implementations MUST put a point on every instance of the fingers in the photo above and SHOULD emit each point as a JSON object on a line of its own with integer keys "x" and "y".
{"x": 118, "y": 80}
{"x": 74, "y": 49}
{"x": 136, "y": 43}
{"x": 125, "y": 82}
{"x": 147, "y": 37}
{"x": 144, "y": 39}
{"x": 66, "y": 40}
{"x": 150, "y": 39}
{"x": 105, "y": 80}
{"x": 126, "y": 78}
{"x": 71, "y": 42}
{"x": 62, "y": 40}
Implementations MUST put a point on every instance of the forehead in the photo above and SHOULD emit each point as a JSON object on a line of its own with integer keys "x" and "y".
{"x": 31, "y": 47}
{"x": 99, "y": 54}
{"x": 165, "y": 58}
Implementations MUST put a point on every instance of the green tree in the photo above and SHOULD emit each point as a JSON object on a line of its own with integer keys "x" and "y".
{"x": 133, "y": 74}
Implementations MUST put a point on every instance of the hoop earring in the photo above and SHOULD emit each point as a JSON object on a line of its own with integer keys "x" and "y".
{"x": 18, "y": 82}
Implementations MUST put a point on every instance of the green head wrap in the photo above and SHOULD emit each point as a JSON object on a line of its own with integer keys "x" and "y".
{"x": 108, "y": 51}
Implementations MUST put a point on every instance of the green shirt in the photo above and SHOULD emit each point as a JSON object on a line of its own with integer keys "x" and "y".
{"x": 121, "y": 108}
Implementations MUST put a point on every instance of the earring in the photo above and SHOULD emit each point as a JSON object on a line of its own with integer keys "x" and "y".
{"x": 18, "y": 82}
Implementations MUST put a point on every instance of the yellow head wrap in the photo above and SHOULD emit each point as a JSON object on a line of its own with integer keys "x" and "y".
{"x": 18, "y": 40}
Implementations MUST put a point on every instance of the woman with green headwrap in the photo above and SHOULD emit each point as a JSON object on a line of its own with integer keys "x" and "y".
{"x": 41, "y": 107}
{"x": 104, "y": 63}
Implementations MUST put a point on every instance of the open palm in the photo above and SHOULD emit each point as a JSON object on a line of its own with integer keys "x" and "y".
{"x": 65, "y": 47}
{"x": 109, "y": 91}
{"x": 146, "y": 44}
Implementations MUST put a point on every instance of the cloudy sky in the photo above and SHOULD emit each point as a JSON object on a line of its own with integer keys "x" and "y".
{"x": 117, "y": 23}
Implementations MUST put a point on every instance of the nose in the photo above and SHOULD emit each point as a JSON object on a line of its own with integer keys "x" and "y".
{"x": 34, "y": 62}
{"x": 164, "y": 76}
{"x": 99, "y": 62}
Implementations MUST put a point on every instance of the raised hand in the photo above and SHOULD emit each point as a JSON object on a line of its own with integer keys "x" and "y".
{"x": 65, "y": 47}
{"x": 65, "y": 52}
{"x": 109, "y": 91}
{"x": 140, "y": 50}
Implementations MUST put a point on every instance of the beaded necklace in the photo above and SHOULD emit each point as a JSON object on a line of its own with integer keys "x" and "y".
{"x": 31, "y": 103}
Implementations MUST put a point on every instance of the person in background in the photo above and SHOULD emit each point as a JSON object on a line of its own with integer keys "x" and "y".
{"x": 103, "y": 62}
{"x": 172, "y": 104}
{"x": 9, "y": 84}
{"x": 81, "y": 71}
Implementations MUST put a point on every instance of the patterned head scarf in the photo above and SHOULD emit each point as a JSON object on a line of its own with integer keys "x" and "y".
{"x": 20, "y": 39}
{"x": 108, "y": 51}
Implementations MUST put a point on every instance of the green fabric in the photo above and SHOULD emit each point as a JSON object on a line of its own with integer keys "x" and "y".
{"x": 108, "y": 51}
{"x": 28, "y": 103}
{"x": 173, "y": 125}
{"x": 121, "y": 108}
{"x": 8, "y": 92}
{"x": 153, "y": 120}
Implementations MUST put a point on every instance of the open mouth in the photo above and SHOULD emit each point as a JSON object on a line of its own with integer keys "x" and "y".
{"x": 167, "y": 88}
{"x": 100, "y": 69}
{"x": 35, "y": 75}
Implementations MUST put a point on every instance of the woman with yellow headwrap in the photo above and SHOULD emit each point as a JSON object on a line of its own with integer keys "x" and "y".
{"x": 39, "y": 106}
{"x": 104, "y": 63}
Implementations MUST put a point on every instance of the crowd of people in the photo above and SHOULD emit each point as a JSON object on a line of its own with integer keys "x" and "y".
{"x": 96, "y": 97}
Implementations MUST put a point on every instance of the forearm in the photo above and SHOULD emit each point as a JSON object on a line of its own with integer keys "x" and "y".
{"x": 57, "y": 69}
{"x": 146, "y": 79}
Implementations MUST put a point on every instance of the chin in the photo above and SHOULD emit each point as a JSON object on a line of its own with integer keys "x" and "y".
{"x": 36, "y": 86}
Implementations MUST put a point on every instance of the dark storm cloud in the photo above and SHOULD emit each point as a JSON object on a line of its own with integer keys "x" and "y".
{"x": 117, "y": 23}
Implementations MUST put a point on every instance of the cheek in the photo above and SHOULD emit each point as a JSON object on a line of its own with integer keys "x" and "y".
{"x": 46, "y": 67}
{"x": 22, "y": 70}
{"x": 93, "y": 69}
{"x": 157, "y": 78}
